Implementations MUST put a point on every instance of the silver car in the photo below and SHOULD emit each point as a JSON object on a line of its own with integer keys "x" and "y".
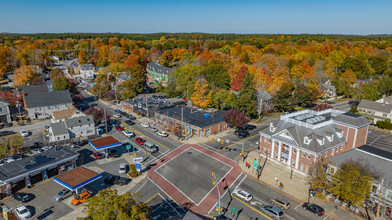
{"x": 63, "y": 194}
{"x": 272, "y": 211}
{"x": 123, "y": 168}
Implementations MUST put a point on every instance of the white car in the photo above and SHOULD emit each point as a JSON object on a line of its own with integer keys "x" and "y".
{"x": 123, "y": 168}
{"x": 162, "y": 133}
{"x": 146, "y": 125}
{"x": 46, "y": 148}
{"x": 117, "y": 115}
{"x": 244, "y": 195}
{"x": 22, "y": 212}
{"x": 24, "y": 133}
{"x": 154, "y": 129}
{"x": 128, "y": 133}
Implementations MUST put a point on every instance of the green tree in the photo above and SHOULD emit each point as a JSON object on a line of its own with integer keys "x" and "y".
{"x": 216, "y": 74}
{"x": 247, "y": 98}
{"x": 368, "y": 91}
{"x": 337, "y": 58}
{"x": 185, "y": 79}
{"x": 359, "y": 65}
{"x": 10, "y": 145}
{"x": 126, "y": 90}
{"x": 303, "y": 95}
{"x": 384, "y": 87}
{"x": 61, "y": 83}
{"x": 319, "y": 178}
{"x": 283, "y": 98}
{"x": 385, "y": 124}
{"x": 379, "y": 64}
{"x": 352, "y": 182}
{"x": 109, "y": 205}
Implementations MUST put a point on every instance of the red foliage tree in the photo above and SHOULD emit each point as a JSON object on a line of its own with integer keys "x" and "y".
{"x": 98, "y": 114}
{"x": 236, "y": 82}
{"x": 235, "y": 117}
{"x": 321, "y": 107}
{"x": 9, "y": 97}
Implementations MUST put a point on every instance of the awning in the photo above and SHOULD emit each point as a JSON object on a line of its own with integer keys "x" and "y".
{"x": 104, "y": 143}
{"x": 77, "y": 178}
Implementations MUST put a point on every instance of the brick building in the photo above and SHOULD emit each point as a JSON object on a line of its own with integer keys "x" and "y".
{"x": 300, "y": 138}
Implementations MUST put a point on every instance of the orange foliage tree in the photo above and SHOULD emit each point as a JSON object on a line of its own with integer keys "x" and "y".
{"x": 200, "y": 97}
{"x": 24, "y": 75}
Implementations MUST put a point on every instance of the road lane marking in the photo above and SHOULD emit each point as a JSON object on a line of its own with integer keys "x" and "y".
{"x": 136, "y": 131}
{"x": 166, "y": 194}
{"x": 240, "y": 182}
{"x": 238, "y": 142}
{"x": 297, "y": 206}
{"x": 150, "y": 198}
{"x": 216, "y": 151}
{"x": 325, "y": 217}
{"x": 141, "y": 186}
{"x": 252, "y": 207}
{"x": 170, "y": 204}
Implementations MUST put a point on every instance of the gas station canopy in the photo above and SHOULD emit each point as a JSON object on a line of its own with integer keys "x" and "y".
{"x": 104, "y": 143}
{"x": 77, "y": 178}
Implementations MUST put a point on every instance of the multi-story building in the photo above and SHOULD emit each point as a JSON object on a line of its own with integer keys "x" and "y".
{"x": 5, "y": 115}
{"x": 300, "y": 138}
{"x": 158, "y": 72}
{"x": 70, "y": 128}
{"x": 62, "y": 115}
{"x": 379, "y": 110}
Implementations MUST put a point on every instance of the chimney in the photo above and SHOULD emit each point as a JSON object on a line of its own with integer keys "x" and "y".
{"x": 383, "y": 99}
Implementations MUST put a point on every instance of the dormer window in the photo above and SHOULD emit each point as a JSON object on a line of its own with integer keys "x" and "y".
{"x": 272, "y": 128}
{"x": 339, "y": 133}
{"x": 321, "y": 141}
{"x": 330, "y": 138}
{"x": 307, "y": 140}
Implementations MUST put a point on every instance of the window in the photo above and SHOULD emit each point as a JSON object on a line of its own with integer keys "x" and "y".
{"x": 332, "y": 170}
{"x": 302, "y": 167}
{"x": 389, "y": 194}
{"x": 276, "y": 143}
{"x": 1, "y": 109}
{"x": 265, "y": 150}
{"x": 341, "y": 148}
{"x": 269, "y": 140}
{"x": 265, "y": 139}
{"x": 306, "y": 169}
{"x": 308, "y": 155}
{"x": 293, "y": 162}
{"x": 384, "y": 115}
{"x": 332, "y": 152}
{"x": 64, "y": 136}
{"x": 294, "y": 150}
{"x": 326, "y": 154}
{"x": 303, "y": 154}
{"x": 374, "y": 189}
{"x": 337, "y": 149}
{"x": 276, "y": 154}
{"x": 58, "y": 138}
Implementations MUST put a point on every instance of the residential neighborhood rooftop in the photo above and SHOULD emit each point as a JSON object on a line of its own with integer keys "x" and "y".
{"x": 157, "y": 68}
{"x": 48, "y": 99}
{"x": 71, "y": 110}
{"x": 33, "y": 89}
{"x": 376, "y": 106}
{"x": 59, "y": 128}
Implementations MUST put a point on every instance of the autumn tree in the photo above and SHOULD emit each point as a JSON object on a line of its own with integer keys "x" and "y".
{"x": 337, "y": 58}
{"x": 301, "y": 72}
{"x": 9, "y": 97}
{"x": 303, "y": 95}
{"x": 11, "y": 144}
{"x": 185, "y": 79}
{"x": 126, "y": 90}
{"x": 236, "y": 81}
{"x": 358, "y": 65}
{"x": 97, "y": 114}
{"x": 83, "y": 57}
{"x": 352, "y": 182}
{"x": 201, "y": 97}
{"x": 24, "y": 75}
{"x": 283, "y": 99}
{"x": 235, "y": 117}
{"x": 61, "y": 83}
{"x": 216, "y": 74}
{"x": 55, "y": 73}
{"x": 109, "y": 205}
{"x": 318, "y": 175}
{"x": 321, "y": 107}
{"x": 246, "y": 99}
{"x": 379, "y": 64}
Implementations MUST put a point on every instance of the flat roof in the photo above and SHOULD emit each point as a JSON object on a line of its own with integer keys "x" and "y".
{"x": 29, "y": 165}
{"x": 77, "y": 178}
{"x": 104, "y": 142}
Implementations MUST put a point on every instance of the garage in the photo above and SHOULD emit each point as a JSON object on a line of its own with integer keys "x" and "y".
{"x": 18, "y": 185}
{"x": 36, "y": 177}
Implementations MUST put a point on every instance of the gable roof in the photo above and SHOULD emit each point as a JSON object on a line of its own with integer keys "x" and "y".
{"x": 375, "y": 106}
{"x": 3, "y": 102}
{"x": 124, "y": 76}
{"x": 262, "y": 94}
{"x": 354, "y": 120}
{"x": 59, "y": 128}
{"x": 77, "y": 121}
{"x": 48, "y": 99}
{"x": 33, "y": 89}
{"x": 156, "y": 68}
{"x": 69, "y": 112}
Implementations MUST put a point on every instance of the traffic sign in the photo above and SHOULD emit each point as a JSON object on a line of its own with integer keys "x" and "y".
{"x": 138, "y": 167}
{"x": 137, "y": 159}
{"x": 255, "y": 164}
{"x": 233, "y": 210}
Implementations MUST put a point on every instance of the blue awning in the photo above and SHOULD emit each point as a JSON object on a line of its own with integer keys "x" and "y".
{"x": 77, "y": 178}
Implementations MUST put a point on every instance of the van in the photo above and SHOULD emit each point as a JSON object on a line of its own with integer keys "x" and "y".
{"x": 272, "y": 211}
{"x": 152, "y": 148}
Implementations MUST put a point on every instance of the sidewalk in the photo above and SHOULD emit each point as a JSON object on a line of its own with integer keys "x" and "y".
{"x": 296, "y": 187}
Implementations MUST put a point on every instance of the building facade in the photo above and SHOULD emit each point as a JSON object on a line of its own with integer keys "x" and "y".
{"x": 5, "y": 115}
{"x": 158, "y": 72}
{"x": 71, "y": 128}
{"x": 298, "y": 139}
{"x": 376, "y": 110}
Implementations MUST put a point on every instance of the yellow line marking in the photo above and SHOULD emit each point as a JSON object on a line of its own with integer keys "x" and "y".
{"x": 151, "y": 198}
{"x": 251, "y": 207}
{"x": 238, "y": 142}
{"x": 136, "y": 131}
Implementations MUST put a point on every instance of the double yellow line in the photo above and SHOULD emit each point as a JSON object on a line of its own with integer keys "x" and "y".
{"x": 238, "y": 142}
{"x": 251, "y": 207}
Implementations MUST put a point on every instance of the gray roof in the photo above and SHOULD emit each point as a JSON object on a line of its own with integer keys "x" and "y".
{"x": 194, "y": 117}
{"x": 354, "y": 120}
{"x": 3, "y": 102}
{"x": 48, "y": 99}
{"x": 59, "y": 128}
{"x": 375, "y": 106}
{"x": 81, "y": 120}
{"x": 376, "y": 158}
{"x": 20, "y": 168}
{"x": 33, "y": 89}
{"x": 156, "y": 68}
{"x": 328, "y": 86}
{"x": 262, "y": 94}
{"x": 87, "y": 67}
{"x": 297, "y": 135}
{"x": 124, "y": 76}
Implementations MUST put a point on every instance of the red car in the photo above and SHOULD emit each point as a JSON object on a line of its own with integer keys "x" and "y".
{"x": 119, "y": 128}
{"x": 140, "y": 140}
{"x": 97, "y": 155}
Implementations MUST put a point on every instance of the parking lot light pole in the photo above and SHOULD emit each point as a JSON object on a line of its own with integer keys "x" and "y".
{"x": 217, "y": 187}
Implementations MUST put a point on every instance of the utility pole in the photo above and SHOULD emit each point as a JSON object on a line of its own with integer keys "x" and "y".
{"x": 182, "y": 120}
{"x": 145, "y": 99}
{"x": 106, "y": 121}
{"x": 379, "y": 199}
{"x": 219, "y": 196}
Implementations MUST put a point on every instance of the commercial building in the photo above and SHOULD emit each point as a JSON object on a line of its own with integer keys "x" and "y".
{"x": 300, "y": 138}
{"x": 158, "y": 72}
{"x": 30, "y": 170}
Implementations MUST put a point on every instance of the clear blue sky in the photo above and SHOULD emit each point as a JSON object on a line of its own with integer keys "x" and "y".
{"x": 210, "y": 16}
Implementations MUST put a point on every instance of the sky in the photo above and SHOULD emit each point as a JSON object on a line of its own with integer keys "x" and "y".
{"x": 208, "y": 16}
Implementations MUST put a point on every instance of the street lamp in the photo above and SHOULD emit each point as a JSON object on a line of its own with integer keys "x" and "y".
{"x": 217, "y": 187}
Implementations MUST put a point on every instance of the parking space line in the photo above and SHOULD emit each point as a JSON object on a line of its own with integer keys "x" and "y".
{"x": 238, "y": 142}
{"x": 298, "y": 206}
{"x": 166, "y": 194}
{"x": 150, "y": 198}
{"x": 171, "y": 205}
{"x": 252, "y": 208}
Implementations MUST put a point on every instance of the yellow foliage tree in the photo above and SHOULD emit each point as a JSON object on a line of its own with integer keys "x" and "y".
{"x": 24, "y": 75}
{"x": 200, "y": 97}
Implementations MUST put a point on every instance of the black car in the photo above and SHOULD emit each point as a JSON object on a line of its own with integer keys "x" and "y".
{"x": 18, "y": 156}
{"x": 239, "y": 129}
{"x": 249, "y": 127}
{"x": 129, "y": 122}
{"x": 7, "y": 125}
{"x": 131, "y": 117}
{"x": 23, "y": 197}
{"x": 81, "y": 143}
{"x": 112, "y": 153}
{"x": 317, "y": 210}
{"x": 111, "y": 179}
{"x": 121, "y": 181}
{"x": 5, "y": 133}
{"x": 243, "y": 134}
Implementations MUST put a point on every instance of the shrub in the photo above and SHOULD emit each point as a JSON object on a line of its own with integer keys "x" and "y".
{"x": 132, "y": 171}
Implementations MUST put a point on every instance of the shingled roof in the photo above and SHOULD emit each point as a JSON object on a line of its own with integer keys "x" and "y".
{"x": 70, "y": 111}
{"x": 48, "y": 99}
{"x": 375, "y": 106}
{"x": 156, "y": 68}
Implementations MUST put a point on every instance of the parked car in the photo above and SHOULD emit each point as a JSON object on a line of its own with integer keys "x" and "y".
{"x": 282, "y": 203}
{"x": 121, "y": 181}
{"x": 243, "y": 134}
{"x": 8, "y": 160}
{"x": 244, "y": 195}
{"x": 5, "y": 133}
{"x": 119, "y": 128}
{"x": 7, "y": 125}
{"x": 129, "y": 133}
{"x": 24, "y": 133}
{"x": 272, "y": 211}
{"x": 129, "y": 122}
{"x": 81, "y": 198}
{"x": 317, "y": 210}
{"x": 131, "y": 117}
{"x": 18, "y": 156}
{"x": 238, "y": 129}
{"x": 112, "y": 153}
{"x": 154, "y": 129}
{"x": 114, "y": 122}
{"x": 162, "y": 133}
{"x": 63, "y": 194}
{"x": 249, "y": 127}
{"x": 45, "y": 148}
{"x": 23, "y": 197}
{"x": 123, "y": 168}
{"x": 22, "y": 212}
{"x": 97, "y": 155}
{"x": 152, "y": 148}
{"x": 123, "y": 114}
{"x": 140, "y": 140}
{"x": 110, "y": 179}
{"x": 36, "y": 150}
{"x": 146, "y": 125}
{"x": 81, "y": 143}
{"x": 117, "y": 115}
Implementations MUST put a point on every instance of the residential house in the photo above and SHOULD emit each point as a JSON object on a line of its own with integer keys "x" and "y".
{"x": 71, "y": 128}
{"x": 191, "y": 121}
{"x": 86, "y": 71}
{"x": 42, "y": 105}
{"x": 264, "y": 100}
{"x": 376, "y": 110}
{"x": 142, "y": 101}
{"x": 122, "y": 77}
{"x": 70, "y": 112}
{"x": 21, "y": 91}
{"x": 379, "y": 162}
{"x": 385, "y": 100}
{"x": 298, "y": 139}
{"x": 5, "y": 115}
{"x": 158, "y": 72}
{"x": 329, "y": 91}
